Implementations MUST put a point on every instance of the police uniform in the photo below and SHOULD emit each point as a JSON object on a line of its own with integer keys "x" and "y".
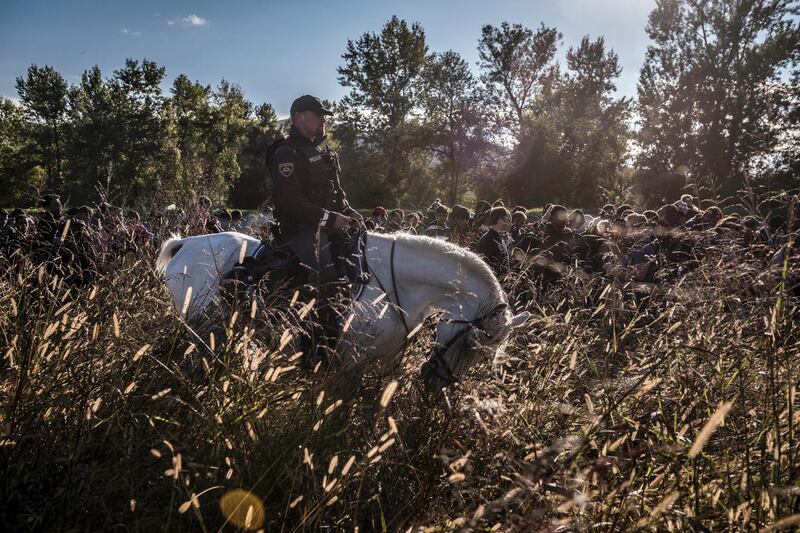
{"x": 308, "y": 195}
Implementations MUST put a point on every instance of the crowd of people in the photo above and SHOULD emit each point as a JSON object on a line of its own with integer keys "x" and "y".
{"x": 616, "y": 241}
{"x": 81, "y": 241}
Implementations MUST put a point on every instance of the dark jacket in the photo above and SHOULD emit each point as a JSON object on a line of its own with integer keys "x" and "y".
{"x": 491, "y": 247}
{"x": 305, "y": 183}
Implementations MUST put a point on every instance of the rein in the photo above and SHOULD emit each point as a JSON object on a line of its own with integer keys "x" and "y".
{"x": 396, "y": 304}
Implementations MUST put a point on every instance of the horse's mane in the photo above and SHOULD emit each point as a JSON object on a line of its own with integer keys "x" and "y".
{"x": 468, "y": 259}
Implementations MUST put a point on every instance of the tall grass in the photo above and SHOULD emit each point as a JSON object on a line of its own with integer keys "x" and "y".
{"x": 674, "y": 409}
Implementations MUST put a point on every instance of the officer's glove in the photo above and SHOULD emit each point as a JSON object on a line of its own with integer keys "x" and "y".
{"x": 337, "y": 221}
{"x": 357, "y": 224}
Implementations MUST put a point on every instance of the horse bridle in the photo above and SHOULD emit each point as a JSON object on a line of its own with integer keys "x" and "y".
{"x": 436, "y": 360}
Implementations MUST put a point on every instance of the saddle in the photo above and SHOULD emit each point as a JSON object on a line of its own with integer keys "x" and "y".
{"x": 274, "y": 264}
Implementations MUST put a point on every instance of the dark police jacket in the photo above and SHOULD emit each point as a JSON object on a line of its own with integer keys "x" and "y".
{"x": 305, "y": 183}
{"x": 491, "y": 247}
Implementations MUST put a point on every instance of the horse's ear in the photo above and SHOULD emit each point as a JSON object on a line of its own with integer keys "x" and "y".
{"x": 520, "y": 319}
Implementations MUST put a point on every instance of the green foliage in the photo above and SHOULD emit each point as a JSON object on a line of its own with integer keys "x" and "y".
{"x": 574, "y": 148}
{"x": 43, "y": 94}
{"x": 713, "y": 95}
{"x": 384, "y": 73}
{"x": 717, "y": 110}
{"x": 252, "y": 187}
{"x": 122, "y": 139}
{"x": 20, "y": 175}
{"x": 455, "y": 125}
{"x": 518, "y": 65}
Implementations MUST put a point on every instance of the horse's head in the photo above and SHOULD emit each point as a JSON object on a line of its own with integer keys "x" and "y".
{"x": 469, "y": 342}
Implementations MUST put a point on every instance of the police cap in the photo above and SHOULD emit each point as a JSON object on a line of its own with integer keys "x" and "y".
{"x": 309, "y": 103}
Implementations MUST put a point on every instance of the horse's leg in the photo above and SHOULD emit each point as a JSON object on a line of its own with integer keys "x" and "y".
{"x": 344, "y": 382}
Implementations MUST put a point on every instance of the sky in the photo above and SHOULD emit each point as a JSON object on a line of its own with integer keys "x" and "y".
{"x": 278, "y": 50}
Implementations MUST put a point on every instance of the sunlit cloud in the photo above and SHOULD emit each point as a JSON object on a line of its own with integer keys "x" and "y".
{"x": 126, "y": 31}
{"x": 189, "y": 20}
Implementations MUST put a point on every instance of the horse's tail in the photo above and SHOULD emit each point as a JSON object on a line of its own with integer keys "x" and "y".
{"x": 168, "y": 251}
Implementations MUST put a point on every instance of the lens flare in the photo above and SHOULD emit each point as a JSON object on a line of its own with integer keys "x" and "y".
{"x": 243, "y": 509}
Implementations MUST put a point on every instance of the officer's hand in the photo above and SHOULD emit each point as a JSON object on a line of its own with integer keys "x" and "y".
{"x": 340, "y": 221}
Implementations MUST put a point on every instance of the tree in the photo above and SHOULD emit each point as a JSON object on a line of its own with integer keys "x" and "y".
{"x": 253, "y": 187}
{"x": 20, "y": 176}
{"x": 707, "y": 90}
{"x": 455, "y": 124}
{"x": 231, "y": 120}
{"x": 517, "y": 65}
{"x": 576, "y": 145}
{"x": 143, "y": 150}
{"x": 212, "y": 127}
{"x": 43, "y": 95}
{"x": 383, "y": 72}
{"x": 95, "y": 143}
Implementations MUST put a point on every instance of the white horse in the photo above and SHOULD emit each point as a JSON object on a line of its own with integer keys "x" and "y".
{"x": 415, "y": 276}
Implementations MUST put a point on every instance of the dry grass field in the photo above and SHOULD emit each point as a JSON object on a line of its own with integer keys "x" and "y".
{"x": 609, "y": 411}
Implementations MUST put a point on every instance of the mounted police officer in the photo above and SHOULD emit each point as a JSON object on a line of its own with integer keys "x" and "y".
{"x": 310, "y": 204}
{"x": 312, "y": 209}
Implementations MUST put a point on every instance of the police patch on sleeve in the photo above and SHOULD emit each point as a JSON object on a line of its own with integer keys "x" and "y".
{"x": 286, "y": 169}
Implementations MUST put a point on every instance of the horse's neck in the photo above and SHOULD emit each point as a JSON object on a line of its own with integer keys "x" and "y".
{"x": 429, "y": 280}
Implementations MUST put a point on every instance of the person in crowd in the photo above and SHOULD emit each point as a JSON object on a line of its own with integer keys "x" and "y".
{"x": 686, "y": 206}
{"x": 577, "y": 221}
{"x": 642, "y": 258}
{"x": 706, "y": 219}
{"x": 772, "y": 232}
{"x": 558, "y": 238}
{"x": 459, "y": 225}
{"x": 430, "y": 213}
{"x": 48, "y": 218}
{"x": 7, "y": 233}
{"x": 651, "y": 216}
{"x": 669, "y": 217}
{"x": 156, "y": 226}
{"x": 439, "y": 228}
{"x": 479, "y": 222}
{"x": 411, "y": 223}
{"x": 99, "y": 215}
{"x": 621, "y": 212}
{"x": 492, "y": 246}
{"x": 20, "y": 237}
{"x": 76, "y": 245}
{"x": 608, "y": 211}
{"x": 635, "y": 222}
{"x": 237, "y": 220}
{"x": 223, "y": 219}
{"x": 139, "y": 233}
{"x": 395, "y": 223}
{"x": 518, "y": 221}
{"x": 378, "y": 219}
{"x": 750, "y": 226}
{"x": 200, "y": 221}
